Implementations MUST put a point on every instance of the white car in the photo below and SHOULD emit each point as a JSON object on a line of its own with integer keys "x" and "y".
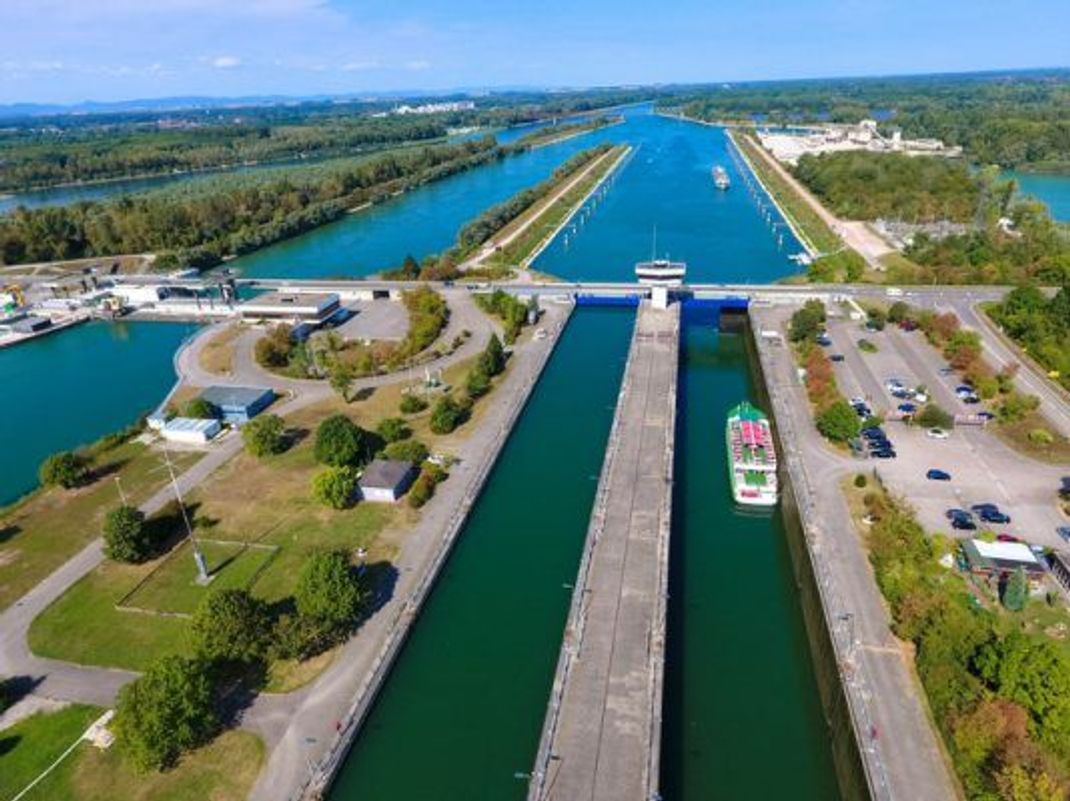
{"x": 921, "y": 397}
{"x": 937, "y": 433}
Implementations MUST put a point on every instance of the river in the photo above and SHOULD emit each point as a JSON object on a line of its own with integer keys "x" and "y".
{"x": 1052, "y": 190}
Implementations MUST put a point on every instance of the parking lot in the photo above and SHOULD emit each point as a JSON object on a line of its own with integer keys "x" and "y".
{"x": 983, "y": 469}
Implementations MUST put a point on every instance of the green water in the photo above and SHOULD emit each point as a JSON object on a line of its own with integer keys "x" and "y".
{"x": 1052, "y": 190}
{"x": 742, "y": 717}
{"x": 462, "y": 710}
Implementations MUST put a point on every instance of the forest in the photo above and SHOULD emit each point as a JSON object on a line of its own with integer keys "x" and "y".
{"x": 1041, "y": 325}
{"x": 858, "y": 185}
{"x": 200, "y": 228}
{"x": 1015, "y": 120}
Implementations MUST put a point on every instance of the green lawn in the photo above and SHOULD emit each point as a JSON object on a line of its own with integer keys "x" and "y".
{"x": 48, "y": 527}
{"x": 31, "y": 745}
{"x": 223, "y": 770}
{"x": 174, "y": 588}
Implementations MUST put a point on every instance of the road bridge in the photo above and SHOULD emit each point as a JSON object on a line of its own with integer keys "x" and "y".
{"x": 601, "y": 739}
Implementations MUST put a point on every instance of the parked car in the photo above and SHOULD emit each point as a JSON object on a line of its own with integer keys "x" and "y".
{"x": 936, "y": 433}
{"x": 971, "y": 400}
{"x": 921, "y": 397}
{"x": 823, "y": 340}
{"x": 990, "y": 513}
{"x": 883, "y": 453}
{"x": 876, "y": 432}
{"x": 964, "y": 389}
{"x": 1064, "y": 533}
{"x": 836, "y": 357}
{"x": 963, "y": 522}
{"x": 937, "y": 475}
{"x": 907, "y": 408}
{"x": 951, "y": 514}
{"x": 987, "y": 416}
{"x": 1007, "y": 538}
{"x": 879, "y": 445}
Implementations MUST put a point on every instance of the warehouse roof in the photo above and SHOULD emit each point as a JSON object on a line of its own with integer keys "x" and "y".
{"x": 235, "y": 397}
{"x": 192, "y": 424}
{"x": 1001, "y": 555}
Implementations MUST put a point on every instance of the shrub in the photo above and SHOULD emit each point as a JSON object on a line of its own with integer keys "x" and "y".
{"x": 1016, "y": 406}
{"x": 341, "y": 442}
{"x": 201, "y": 409}
{"x": 65, "y": 469}
{"x": 334, "y": 486}
{"x": 423, "y": 489}
{"x": 393, "y": 429}
{"x": 231, "y": 625}
{"x": 170, "y": 709}
{"x": 328, "y": 591}
{"x": 126, "y": 538}
{"x": 933, "y": 416}
{"x": 412, "y": 404}
{"x": 866, "y": 346}
{"x": 276, "y": 347}
{"x": 492, "y": 359}
{"x": 264, "y": 435}
{"x": 447, "y": 415}
{"x": 807, "y": 321}
{"x": 406, "y": 450}
{"x": 1041, "y": 436}
{"x": 1016, "y": 593}
{"x": 838, "y": 422}
{"x": 861, "y": 481}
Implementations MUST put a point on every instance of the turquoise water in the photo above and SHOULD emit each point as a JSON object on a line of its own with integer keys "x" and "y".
{"x": 1053, "y": 190}
{"x": 461, "y": 713}
{"x": 71, "y": 388}
{"x": 739, "y": 683}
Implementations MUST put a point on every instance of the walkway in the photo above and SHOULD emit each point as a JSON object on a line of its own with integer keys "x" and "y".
{"x": 899, "y": 748}
{"x": 601, "y": 740}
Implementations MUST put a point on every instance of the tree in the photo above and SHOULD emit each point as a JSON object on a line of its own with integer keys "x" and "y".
{"x": 1016, "y": 593}
{"x": 340, "y": 442}
{"x": 393, "y": 429}
{"x": 423, "y": 489}
{"x": 328, "y": 592}
{"x": 276, "y": 347}
{"x": 65, "y": 469}
{"x": 838, "y": 422}
{"x": 335, "y": 486}
{"x": 807, "y": 321}
{"x": 447, "y": 415}
{"x": 477, "y": 384}
{"x": 341, "y": 376}
{"x": 898, "y": 312}
{"x": 201, "y": 409}
{"x": 264, "y": 435}
{"x": 126, "y": 538}
{"x": 406, "y": 450}
{"x": 231, "y": 625}
{"x": 412, "y": 404}
{"x": 170, "y": 709}
{"x": 492, "y": 359}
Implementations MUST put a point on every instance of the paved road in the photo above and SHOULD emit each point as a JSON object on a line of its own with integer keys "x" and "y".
{"x": 602, "y": 734}
{"x": 899, "y": 746}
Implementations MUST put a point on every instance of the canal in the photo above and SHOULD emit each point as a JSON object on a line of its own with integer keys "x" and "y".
{"x": 742, "y": 716}
{"x": 460, "y": 714}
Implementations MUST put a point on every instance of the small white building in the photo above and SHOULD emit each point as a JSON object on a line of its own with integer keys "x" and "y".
{"x": 385, "y": 480}
{"x": 190, "y": 430}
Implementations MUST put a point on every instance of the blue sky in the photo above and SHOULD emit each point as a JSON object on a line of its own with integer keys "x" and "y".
{"x": 71, "y": 50}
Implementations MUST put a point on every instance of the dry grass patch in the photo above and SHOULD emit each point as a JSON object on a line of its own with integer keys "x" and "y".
{"x": 1022, "y": 437}
{"x": 217, "y": 356}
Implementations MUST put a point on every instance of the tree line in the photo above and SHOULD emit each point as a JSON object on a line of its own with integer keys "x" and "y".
{"x": 47, "y": 160}
{"x": 200, "y": 229}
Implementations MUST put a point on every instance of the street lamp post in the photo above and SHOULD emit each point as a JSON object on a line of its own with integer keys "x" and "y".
{"x": 203, "y": 577}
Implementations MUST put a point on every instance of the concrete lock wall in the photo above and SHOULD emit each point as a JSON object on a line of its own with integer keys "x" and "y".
{"x": 842, "y": 737}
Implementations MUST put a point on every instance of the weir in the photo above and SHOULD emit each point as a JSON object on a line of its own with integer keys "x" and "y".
{"x": 601, "y": 738}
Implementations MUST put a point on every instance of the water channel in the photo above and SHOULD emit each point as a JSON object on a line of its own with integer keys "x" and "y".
{"x": 459, "y": 718}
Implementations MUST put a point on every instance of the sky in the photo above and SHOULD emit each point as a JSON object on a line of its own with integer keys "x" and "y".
{"x": 62, "y": 51}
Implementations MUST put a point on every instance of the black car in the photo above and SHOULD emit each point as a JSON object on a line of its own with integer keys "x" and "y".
{"x": 883, "y": 453}
{"x": 963, "y": 523}
{"x": 879, "y": 444}
{"x": 836, "y": 357}
{"x": 994, "y": 516}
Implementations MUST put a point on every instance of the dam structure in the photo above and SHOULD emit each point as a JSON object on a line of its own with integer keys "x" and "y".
{"x": 601, "y": 737}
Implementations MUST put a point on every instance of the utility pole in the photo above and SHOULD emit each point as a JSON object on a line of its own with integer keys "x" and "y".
{"x": 202, "y": 566}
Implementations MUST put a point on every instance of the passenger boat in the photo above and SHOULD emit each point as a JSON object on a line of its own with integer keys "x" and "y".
{"x": 752, "y": 463}
{"x": 720, "y": 177}
{"x": 661, "y": 271}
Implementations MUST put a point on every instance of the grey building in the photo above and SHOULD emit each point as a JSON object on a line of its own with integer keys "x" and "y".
{"x": 385, "y": 480}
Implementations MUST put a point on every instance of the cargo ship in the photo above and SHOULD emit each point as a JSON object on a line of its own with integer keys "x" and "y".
{"x": 720, "y": 178}
{"x": 751, "y": 456}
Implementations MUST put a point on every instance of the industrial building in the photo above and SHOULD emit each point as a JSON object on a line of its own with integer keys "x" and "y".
{"x": 239, "y": 405}
{"x": 789, "y": 145}
{"x": 385, "y": 480}
{"x": 1000, "y": 559}
{"x": 190, "y": 430}
{"x": 296, "y": 307}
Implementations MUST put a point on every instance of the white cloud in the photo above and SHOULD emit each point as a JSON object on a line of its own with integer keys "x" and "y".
{"x": 417, "y": 66}
{"x": 226, "y": 62}
{"x": 360, "y": 66}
